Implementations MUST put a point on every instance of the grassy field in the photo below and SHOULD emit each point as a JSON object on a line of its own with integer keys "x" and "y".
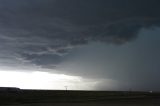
{"x": 78, "y": 97}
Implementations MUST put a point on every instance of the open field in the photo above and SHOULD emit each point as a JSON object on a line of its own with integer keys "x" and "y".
{"x": 86, "y": 104}
{"x": 78, "y": 98}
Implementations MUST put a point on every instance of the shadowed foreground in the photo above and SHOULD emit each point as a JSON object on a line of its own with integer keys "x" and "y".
{"x": 87, "y": 104}
{"x": 78, "y": 98}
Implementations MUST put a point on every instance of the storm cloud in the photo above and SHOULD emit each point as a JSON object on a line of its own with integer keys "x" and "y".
{"x": 47, "y": 33}
{"x": 33, "y": 29}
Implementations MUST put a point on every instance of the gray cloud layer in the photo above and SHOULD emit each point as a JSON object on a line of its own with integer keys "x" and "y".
{"x": 53, "y": 27}
{"x": 43, "y": 32}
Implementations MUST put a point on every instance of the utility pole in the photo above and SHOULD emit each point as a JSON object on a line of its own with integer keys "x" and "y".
{"x": 66, "y": 88}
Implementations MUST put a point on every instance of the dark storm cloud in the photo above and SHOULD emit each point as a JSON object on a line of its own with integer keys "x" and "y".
{"x": 133, "y": 65}
{"x": 49, "y": 60}
{"x": 44, "y": 31}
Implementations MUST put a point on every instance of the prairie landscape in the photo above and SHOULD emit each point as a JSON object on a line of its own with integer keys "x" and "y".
{"x": 78, "y": 98}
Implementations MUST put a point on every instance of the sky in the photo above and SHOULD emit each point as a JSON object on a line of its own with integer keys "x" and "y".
{"x": 81, "y": 44}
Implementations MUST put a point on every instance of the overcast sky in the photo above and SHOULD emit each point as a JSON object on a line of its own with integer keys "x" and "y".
{"x": 113, "y": 43}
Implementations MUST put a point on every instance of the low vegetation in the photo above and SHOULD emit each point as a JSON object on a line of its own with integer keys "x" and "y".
{"x": 49, "y": 96}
